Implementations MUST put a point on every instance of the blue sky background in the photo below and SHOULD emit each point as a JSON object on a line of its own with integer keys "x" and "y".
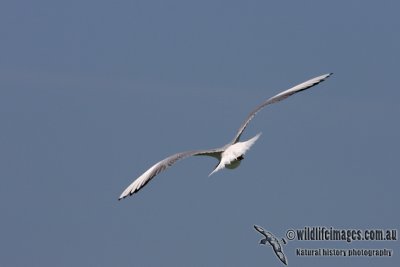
{"x": 92, "y": 93}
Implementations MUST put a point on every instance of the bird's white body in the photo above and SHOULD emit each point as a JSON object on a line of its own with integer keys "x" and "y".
{"x": 230, "y": 155}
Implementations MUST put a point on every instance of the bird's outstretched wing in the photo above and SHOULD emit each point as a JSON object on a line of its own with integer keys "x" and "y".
{"x": 260, "y": 230}
{"x": 142, "y": 180}
{"x": 298, "y": 88}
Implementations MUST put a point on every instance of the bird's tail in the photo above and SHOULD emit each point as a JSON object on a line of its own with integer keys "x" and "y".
{"x": 220, "y": 166}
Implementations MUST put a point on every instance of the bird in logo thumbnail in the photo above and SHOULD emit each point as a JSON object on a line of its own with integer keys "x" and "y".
{"x": 273, "y": 241}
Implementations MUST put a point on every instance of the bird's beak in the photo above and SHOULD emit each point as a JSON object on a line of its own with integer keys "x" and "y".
{"x": 263, "y": 241}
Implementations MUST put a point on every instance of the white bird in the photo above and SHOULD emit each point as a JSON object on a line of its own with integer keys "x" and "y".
{"x": 231, "y": 154}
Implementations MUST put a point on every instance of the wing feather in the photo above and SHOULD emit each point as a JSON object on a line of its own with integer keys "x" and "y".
{"x": 157, "y": 168}
{"x": 281, "y": 96}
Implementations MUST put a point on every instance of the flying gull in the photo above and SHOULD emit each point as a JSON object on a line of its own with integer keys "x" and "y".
{"x": 230, "y": 155}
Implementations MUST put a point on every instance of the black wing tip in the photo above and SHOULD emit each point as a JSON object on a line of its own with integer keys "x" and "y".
{"x": 321, "y": 80}
{"x": 258, "y": 228}
{"x": 130, "y": 194}
{"x": 326, "y": 76}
